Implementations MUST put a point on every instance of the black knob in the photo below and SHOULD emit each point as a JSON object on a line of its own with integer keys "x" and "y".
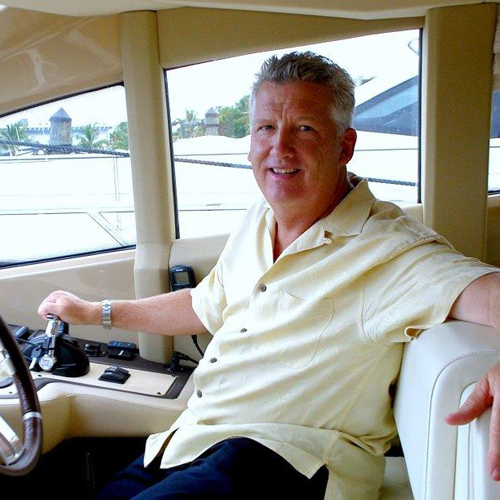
{"x": 63, "y": 328}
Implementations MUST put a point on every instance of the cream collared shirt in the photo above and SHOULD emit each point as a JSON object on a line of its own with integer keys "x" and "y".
{"x": 305, "y": 349}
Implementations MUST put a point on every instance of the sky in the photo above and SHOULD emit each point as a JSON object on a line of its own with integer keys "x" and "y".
{"x": 224, "y": 82}
{"x": 228, "y": 80}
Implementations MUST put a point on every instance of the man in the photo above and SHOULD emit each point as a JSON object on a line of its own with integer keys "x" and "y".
{"x": 309, "y": 305}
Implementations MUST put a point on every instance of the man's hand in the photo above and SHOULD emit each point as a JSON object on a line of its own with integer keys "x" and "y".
{"x": 478, "y": 303}
{"x": 71, "y": 309}
{"x": 486, "y": 393}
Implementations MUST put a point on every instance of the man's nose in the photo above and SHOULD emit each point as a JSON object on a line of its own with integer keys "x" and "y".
{"x": 283, "y": 144}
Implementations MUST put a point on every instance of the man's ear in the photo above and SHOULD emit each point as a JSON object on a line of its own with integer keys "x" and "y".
{"x": 347, "y": 144}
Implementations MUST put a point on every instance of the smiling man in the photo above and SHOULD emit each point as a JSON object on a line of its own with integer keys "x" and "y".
{"x": 294, "y": 137}
{"x": 309, "y": 306}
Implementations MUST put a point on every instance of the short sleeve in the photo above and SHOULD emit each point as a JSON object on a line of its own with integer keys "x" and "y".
{"x": 415, "y": 291}
{"x": 209, "y": 299}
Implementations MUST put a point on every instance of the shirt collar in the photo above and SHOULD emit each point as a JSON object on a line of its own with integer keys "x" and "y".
{"x": 349, "y": 216}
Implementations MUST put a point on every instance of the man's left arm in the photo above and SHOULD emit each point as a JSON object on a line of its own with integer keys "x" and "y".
{"x": 480, "y": 303}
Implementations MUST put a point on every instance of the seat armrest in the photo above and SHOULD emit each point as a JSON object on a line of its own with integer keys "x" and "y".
{"x": 437, "y": 368}
{"x": 473, "y": 478}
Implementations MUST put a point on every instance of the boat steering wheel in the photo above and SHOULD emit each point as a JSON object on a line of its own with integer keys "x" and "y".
{"x": 19, "y": 458}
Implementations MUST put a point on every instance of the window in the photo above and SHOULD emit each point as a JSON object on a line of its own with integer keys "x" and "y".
{"x": 394, "y": 111}
{"x": 65, "y": 179}
{"x": 208, "y": 105}
{"x": 494, "y": 163}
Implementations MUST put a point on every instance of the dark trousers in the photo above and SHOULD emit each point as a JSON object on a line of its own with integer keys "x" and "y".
{"x": 235, "y": 469}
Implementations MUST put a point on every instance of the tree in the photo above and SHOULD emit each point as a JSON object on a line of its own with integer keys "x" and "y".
{"x": 190, "y": 126}
{"x": 15, "y": 132}
{"x": 119, "y": 137}
{"x": 88, "y": 137}
{"x": 234, "y": 120}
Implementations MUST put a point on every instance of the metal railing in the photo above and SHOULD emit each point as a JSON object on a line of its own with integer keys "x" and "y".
{"x": 66, "y": 149}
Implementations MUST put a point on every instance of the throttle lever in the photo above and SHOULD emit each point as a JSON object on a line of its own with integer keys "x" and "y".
{"x": 53, "y": 325}
{"x": 52, "y": 331}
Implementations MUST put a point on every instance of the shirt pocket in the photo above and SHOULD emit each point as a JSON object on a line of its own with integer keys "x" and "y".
{"x": 299, "y": 327}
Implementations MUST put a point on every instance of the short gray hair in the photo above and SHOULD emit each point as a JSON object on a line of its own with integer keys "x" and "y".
{"x": 310, "y": 67}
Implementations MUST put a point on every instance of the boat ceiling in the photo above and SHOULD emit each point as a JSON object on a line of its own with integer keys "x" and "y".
{"x": 355, "y": 9}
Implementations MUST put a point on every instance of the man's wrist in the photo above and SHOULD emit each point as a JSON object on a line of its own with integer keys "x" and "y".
{"x": 92, "y": 314}
{"x": 106, "y": 312}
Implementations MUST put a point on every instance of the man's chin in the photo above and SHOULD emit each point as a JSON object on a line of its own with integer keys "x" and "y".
{"x": 284, "y": 201}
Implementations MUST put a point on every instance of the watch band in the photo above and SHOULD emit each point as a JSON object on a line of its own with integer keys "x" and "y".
{"x": 106, "y": 308}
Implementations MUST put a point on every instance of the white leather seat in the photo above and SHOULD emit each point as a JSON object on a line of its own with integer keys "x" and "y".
{"x": 443, "y": 462}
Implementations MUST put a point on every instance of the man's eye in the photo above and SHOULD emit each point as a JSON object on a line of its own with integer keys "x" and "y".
{"x": 266, "y": 127}
{"x": 305, "y": 128}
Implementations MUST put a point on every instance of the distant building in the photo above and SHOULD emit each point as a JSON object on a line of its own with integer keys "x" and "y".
{"x": 60, "y": 128}
{"x": 61, "y": 131}
{"x": 211, "y": 124}
{"x": 39, "y": 134}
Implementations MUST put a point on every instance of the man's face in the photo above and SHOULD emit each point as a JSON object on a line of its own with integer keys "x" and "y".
{"x": 297, "y": 157}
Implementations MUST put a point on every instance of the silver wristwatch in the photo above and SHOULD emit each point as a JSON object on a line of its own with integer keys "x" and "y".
{"x": 106, "y": 314}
